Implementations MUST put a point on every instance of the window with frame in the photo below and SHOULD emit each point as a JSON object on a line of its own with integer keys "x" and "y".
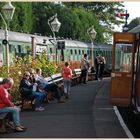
{"x": 123, "y": 57}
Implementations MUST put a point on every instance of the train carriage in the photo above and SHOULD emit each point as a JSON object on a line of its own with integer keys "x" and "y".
{"x": 22, "y": 44}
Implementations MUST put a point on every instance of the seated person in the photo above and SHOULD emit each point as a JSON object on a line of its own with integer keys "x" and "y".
{"x": 32, "y": 76}
{"x": 7, "y": 106}
{"x": 26, "y": 89}
{"x": 43, "y": 85}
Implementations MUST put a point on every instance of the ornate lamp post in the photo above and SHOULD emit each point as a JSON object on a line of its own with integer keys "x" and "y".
{"x": 8, "y": 11}
{"x": 92, "y": 34}
{"x": 54, "y": 25}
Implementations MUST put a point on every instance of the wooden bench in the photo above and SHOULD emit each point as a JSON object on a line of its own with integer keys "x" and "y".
{"x": 4, "y": 118}
{"x": 57, "y": 79}
{"x": 77, "y": 73}
{"x": 76, "y": 76}
{"x": 28, "y": 102}
{"x": 91, "y": 74}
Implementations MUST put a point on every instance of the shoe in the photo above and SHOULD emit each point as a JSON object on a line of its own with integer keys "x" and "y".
{"x": 39, "y": 109}
{"x": 10, "y": 124}
{"x": 61, "y": 101}
{"x": 22, "y": 127}
{"x": 84, "y": 83}
{"x": 19, "y": 129}
{"x": 67, "y": 97}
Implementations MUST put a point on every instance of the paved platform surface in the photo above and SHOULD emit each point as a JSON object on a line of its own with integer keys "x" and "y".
{"x": 87, "y": 114}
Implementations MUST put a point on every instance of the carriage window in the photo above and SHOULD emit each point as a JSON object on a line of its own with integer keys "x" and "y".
{"x": 88, "y": 52}
{"x": 82, "y": 51}
{"x": 19, "y": 48}
{"x": 75, "y": 51}
{"x": 71, "y": 52}
{"x": 123, "y": 57}
{"x": 79, "y": 52}
{"x": 10, "y": 48}
{"x": 50, "y": 50}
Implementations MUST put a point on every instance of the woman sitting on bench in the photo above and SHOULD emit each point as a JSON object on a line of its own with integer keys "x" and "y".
{"x": 7, "y": 106}
{"x": 45, "y": 86}
{"x": 27, "y": 90}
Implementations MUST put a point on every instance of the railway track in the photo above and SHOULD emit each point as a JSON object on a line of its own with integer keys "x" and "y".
{"x": 131, "y": 120}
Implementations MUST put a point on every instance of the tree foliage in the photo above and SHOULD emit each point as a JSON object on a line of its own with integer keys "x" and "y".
{"x": 75, "y": 18}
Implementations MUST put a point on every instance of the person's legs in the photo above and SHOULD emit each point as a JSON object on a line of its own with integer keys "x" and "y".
{"x": 68, "y": 86}
{"x": 81, "y": 77}
{"x": 15, "y": 113}
{"x": 39, "y": 98}
{"x": 84, "y": 76}
{"x": 54, "y": 88}
{"x": 101, "y": 72}
{"x": 65, "y": 87}
{"x": 66, "y": 83}
{"x": 97, "y": 73}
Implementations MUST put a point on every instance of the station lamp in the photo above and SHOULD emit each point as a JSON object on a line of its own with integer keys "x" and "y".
{"x": 8, "y": 11}
{"x": 92, "y": 34}
{"x": 54, "y": 25}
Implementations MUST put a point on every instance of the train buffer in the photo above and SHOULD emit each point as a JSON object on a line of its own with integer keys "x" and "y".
{"x": 86, "y": 114}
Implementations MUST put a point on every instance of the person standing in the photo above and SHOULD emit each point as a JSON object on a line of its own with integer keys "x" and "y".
{"x": 102, "y": 63}
{"x": 96, "y": 63}
{"x": 7, "y": 106}
{"x": 84, "y": 69}
{"x": 67, "y": 75}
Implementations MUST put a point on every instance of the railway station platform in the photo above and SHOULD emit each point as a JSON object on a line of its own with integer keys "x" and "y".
{"x": 87, "y": 114}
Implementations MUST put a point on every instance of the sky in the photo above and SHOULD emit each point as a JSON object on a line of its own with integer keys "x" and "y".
{"x": 133, "y": 8}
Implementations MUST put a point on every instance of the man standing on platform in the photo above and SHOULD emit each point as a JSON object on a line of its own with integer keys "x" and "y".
{"x": 84, "y": 69}
{"x": 96, "y": 63}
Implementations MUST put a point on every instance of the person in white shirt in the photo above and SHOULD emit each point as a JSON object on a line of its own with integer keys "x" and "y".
{"x": 43, "y": 85}
{"x": 84, "y": 69}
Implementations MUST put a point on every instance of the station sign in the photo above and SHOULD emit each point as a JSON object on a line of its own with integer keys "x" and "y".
{"x": 60, "y": 44}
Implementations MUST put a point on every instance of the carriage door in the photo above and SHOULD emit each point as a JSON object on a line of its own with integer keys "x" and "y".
{"x": 137, "y": 76}
{"x": 122, "y": 69}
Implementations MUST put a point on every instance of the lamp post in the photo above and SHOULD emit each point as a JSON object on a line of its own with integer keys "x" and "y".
{"x": 54, "y": 25}
{"x": 92, "y": 34}
{"x": 8, "y": 11}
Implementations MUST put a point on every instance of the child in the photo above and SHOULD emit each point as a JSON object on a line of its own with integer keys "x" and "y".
{"x": 67, "y": 75}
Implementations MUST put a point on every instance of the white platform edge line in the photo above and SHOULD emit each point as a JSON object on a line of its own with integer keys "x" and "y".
{"x": 128, "y": 133}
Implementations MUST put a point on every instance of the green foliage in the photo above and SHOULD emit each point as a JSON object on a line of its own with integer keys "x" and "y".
{"x": 75, "y": 17}
{"x": 21, "y": 65}
{"x": 48, "y": 68}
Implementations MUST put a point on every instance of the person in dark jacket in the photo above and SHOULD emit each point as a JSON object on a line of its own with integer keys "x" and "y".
{"x": 102, "y": 63}
{"x": 97, "y": 64}
{"x": 27, "y": 90}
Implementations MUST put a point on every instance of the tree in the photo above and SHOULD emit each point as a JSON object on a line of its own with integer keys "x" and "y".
{"x": 104, "y": 12}
{"x": 75, "y": 17}
{"x": 22, "y": 19}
